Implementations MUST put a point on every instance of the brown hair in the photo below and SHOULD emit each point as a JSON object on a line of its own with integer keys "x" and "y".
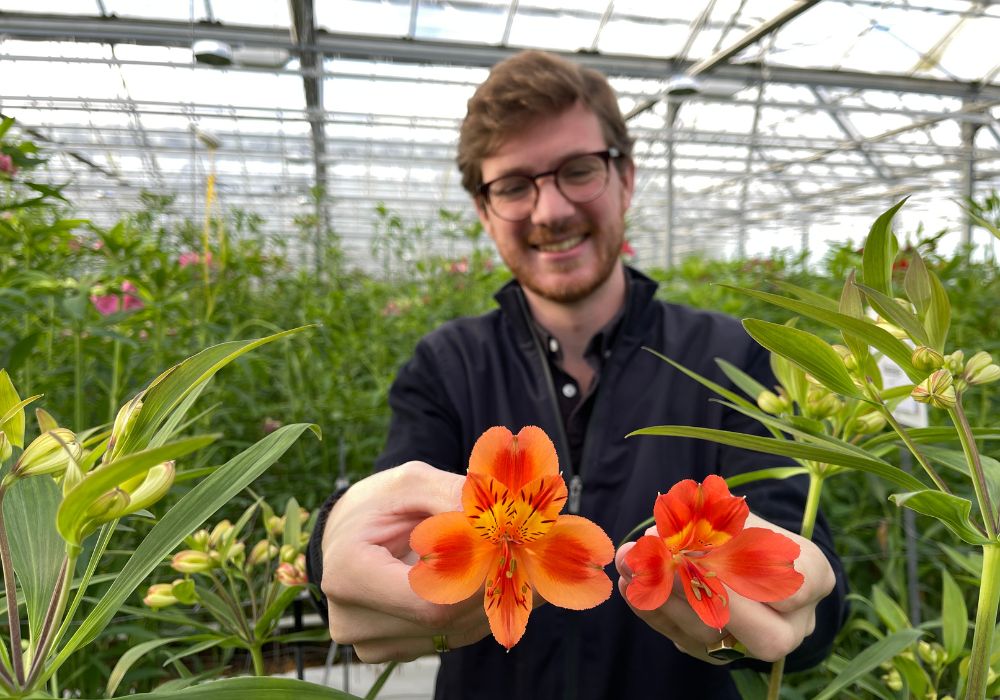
{"x": 523, "y": 88}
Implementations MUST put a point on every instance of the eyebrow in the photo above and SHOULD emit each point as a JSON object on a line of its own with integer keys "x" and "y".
{"x": 524, "y": 171}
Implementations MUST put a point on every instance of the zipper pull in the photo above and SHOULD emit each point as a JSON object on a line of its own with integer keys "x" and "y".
{"x": 575, "y": 491}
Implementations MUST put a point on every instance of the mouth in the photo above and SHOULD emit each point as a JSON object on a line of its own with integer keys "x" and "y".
{"x": 560, "y": 246}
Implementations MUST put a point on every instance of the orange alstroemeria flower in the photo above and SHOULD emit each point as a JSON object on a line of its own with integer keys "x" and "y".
{"x": 510, "y": 535}
{"x": 701, "y": 538}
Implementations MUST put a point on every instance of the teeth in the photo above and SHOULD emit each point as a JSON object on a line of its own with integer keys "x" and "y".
{"x": 561, "y": 246}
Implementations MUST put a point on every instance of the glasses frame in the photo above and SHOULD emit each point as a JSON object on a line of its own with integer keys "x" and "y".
{"x": 609, "y": 154}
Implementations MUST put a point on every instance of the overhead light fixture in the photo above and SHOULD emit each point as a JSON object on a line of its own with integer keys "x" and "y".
{"x": 682, "y": 86}
{"x": 212, "y": 52}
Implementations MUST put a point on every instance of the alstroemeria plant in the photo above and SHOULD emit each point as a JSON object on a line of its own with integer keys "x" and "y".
{"x": 701, "y": 537}
{"x": 510, "y": 535}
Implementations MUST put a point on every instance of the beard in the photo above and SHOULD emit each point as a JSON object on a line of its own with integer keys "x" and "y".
{"x": 578, "y": 279}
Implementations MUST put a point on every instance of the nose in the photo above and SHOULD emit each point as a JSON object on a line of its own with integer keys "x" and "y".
{"x": 552, "y": 208}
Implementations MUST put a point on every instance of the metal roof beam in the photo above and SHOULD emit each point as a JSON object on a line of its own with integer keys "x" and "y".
{"x": 166, "y": 33}
{"x": 851, "y": 133}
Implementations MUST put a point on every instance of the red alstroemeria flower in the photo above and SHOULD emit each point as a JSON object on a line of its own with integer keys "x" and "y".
{"x": 511, "y": 535}
{"x": 701, "y": 538}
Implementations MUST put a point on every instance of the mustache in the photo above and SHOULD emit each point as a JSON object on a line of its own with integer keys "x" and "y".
{"x": 547, "y": 235}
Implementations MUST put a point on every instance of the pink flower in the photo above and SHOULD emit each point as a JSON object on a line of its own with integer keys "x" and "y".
{"x": 627, "y": 249}
{"x": 459, "y": 267}
{"x": 7, "y": 164}
{"x": 191, "y": 258}
{"x": 130, "y": 300}
{"x": 125, "y": 300}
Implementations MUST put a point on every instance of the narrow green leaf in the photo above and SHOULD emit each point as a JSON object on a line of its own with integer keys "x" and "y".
{"x": 751, "y": 685}
{"x": 12, "y": 425}
{"x": 708, "y": 383}
{"x": 35, "y": 546}
{"x": 864, "y": 328}
{"x": 852, "y": 305}
{"x": 197, "y": 648}
{"x": 186, "y": 515}
{"x": 791, "y": 377}
{"x": 167, "y": 391}
{"x": 807, "y": 351}
{"x": 917, "y": 284}
{"x": 245, "y": 688}
{"x": 970, "y": 562}
{"x": 952, "y": 511}
{"x": 954, "y": 617}
{"x": 791, "y": 449}
{"x": 889, "y": 611}
{"x": 938, "y": 319}
{"x": 892, "y": 312}
{"x": 938, "y": 434}
{"x": 807, "y": 295}
{"x": 913, "y": 675}
{"x": 878, "y": 653}
{"x": 759, "y": 474}
{"x": 133, "y": 654}
{"x": 108, "y": 476}
{"x": 880, "y": 252}
{"x": 955, "y": 460}
{"x": 747, "y": 384}
{"x": 274, "y": 610}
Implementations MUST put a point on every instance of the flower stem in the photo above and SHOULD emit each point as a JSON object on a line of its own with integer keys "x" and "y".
{"x": 258, "y": 659}
{"x": 13, "y": 618}
{"x": 986, "y": 616}
{"x": 975, "y": 468}
{"x": 57, "y": 606}
{"x": 77, "y": 381}
{"x": 116, "y": 356}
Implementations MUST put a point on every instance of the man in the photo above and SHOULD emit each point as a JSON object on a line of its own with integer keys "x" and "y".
{"x": 545, "y": 154}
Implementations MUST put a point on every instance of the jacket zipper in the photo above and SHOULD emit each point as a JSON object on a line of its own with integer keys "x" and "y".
{"x": 562, "y": 442}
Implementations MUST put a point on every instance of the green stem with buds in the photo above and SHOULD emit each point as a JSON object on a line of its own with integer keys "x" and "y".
{"x": 968, "y": 441}
{"x": 986, "y": 616}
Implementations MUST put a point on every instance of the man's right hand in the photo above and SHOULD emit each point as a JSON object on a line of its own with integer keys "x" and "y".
{"x": 367, "y": 559}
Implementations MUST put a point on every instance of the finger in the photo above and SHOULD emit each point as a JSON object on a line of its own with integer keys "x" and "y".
{"x": 407, "y": 649}
{"x": 350, "y": 624}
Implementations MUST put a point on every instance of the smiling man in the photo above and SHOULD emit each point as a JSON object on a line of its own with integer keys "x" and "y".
{"x": 545, "y": 155}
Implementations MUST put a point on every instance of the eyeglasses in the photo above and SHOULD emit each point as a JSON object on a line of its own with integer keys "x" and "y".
{"x": 580, "y": 179}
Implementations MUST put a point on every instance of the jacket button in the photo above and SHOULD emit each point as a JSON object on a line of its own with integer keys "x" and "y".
{"x": 569, "y": 390}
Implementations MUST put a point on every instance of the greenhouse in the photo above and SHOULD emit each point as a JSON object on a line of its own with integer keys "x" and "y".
{"x": 500, "y": 348}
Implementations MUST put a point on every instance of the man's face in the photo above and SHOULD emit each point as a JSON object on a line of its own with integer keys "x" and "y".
{"x": 564, "y": 251}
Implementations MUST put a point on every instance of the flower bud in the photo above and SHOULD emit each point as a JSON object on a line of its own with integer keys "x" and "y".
{"x": 275, "y": 525}
{"x": 892, "y": 329}
{"x": 980, "y": 369}
{"x": 198, "y": 540}
{"x": 821, "y": 403}
{"x": 291, "y": 575}
{"x": 926, "y": 359}
{"x": 190, "y": 561}
{"x": 937, "y": 390}
{"x": 869, "y": 423}
{"x": 184, "y": 591}
{"x": 107, "y": 506}
{"x": 955, "y": 362}
{"x": 893, "y": 681}
{"x": 850, "y": 362}
{"x": 49, "y": 453}
{"x": 235, "y": 553}
{"x": 261, "y": 552}
{"x": 220, "y": 532}
{"x": 160, "y": 595}
{"x": 287, "y": 553}
{"x": 771, "y": 403}
{"x": 154, "y": 486}
{"x": 124, "y": 421}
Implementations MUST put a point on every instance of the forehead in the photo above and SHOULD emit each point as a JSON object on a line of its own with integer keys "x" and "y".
{"x": 545, "y": 143}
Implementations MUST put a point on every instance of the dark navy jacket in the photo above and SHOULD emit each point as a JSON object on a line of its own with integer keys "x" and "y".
{"x": 474, "y": 373}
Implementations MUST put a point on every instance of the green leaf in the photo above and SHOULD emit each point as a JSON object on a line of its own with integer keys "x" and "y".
{"x": 293, "y": 523}
{"x": 914, "y": 675}
{"x": 29, "y": 512}
{"x": 99, "y": 481}
{"x": 133, "y": 654}
{"x": 954, "y": 617}
{"x": 747, "y": 384}
{"x": 10, "y": 403}
{"x": 807, "y": 295}
{"x": 880, "y": 252}
{"x": 771, "y": 473}
{"x": 917, "y": 284}
{"x": 708, "y": 383}
{"x": 167, "y": 391}
{"x": 970, "y": 562}
{"x": 274, "y": 610}
{"x": 787, "y": 448}
{"x": 938, "y": 318}
{"x": 807, "y": 351}
{"x": 751, "y": 685}
{"x": 952, "y": 511}
{"x": 245, "y": 688}
{"x": 187, "y": 514}
{"x": 938, "y": 434}
{"x": 204, "y": 645}
{"x": 891, "y": 311}
{"x": 889, "y": 611}
{"x": 878, "y": 653}
{"x": 864, "y": 328}
{"x": 851, "y": 305}
{"x": 955, "y": 459}
{"x": 790, "y": 376}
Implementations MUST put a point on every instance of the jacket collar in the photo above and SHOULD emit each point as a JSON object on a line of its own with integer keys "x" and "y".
{"x": 514, "y": 306}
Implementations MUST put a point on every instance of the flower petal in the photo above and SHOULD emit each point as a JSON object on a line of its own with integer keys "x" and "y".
{"x": 487, "y": 504}
{"x": 566, "y": 566}
{"x": 706, "y": 594}
{"x": 758, "y": 564}
{"x": 693, "y": 516}
{"x": 507, "y": 598}
{"x": 453, "y": 558}
{"x": 652, "y": 567}
{"x": 537, "y": 506}
{"x": 514, "y": 460}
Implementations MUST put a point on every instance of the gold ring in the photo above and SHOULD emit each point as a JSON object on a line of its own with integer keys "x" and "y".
{"x": 727, "y": 649}
{"x": 440, "y": 643}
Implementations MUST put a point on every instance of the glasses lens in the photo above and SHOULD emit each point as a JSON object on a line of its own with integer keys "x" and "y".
{"x": 582, "y": 179}
{"x": 512, "y": 197}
